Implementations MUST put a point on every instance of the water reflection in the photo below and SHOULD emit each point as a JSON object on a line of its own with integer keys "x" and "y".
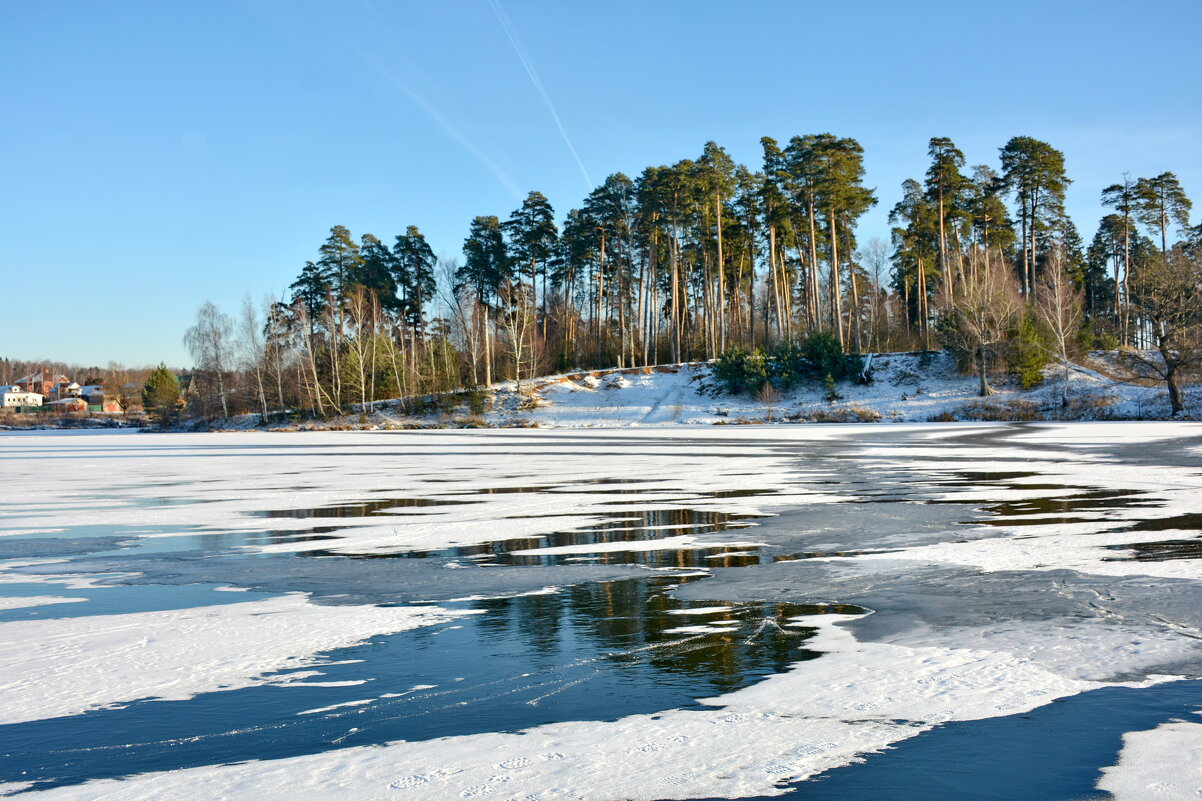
{"x": 1162, "y": 551}
{"x": 593, "y": 652}
{"x": 633, "y": 527}
{"x": 360, "y": 508}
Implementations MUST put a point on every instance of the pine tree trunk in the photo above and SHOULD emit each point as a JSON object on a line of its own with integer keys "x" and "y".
{"x": 836, "y": 294}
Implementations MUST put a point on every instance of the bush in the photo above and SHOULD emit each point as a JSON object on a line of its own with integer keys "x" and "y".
{"x": 1095, "y": 336}
{"x": 477, "y": 402}
{"x": 741, "y": 371}
{"x": 817, "y": 358}
{"x": 1027, "y": 353}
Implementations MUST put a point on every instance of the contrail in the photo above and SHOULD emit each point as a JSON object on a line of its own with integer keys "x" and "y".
{"x": 434, "y": 113}
{"x": 451, "y": 130}
{"x": 538, "y": 84}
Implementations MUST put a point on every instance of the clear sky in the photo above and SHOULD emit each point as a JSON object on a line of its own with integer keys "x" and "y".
{"x": 159, "y": 154}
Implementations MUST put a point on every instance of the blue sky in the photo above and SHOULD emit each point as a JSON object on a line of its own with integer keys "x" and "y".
{"x": 156, "y": 155}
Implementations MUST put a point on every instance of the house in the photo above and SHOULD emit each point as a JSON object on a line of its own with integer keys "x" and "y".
{"x": 99, "y": 400}
{"x": 70, "y": 404}
{"x": 66, "y": 389}
{"x": 16, "y": 398}
{"x": 43, "y": 382}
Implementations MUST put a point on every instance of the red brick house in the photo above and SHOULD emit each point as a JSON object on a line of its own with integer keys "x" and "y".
{"x": 44, "y": 383}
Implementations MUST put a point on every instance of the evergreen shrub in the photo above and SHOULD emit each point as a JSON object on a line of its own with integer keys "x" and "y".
{"x": 815, "y": 359}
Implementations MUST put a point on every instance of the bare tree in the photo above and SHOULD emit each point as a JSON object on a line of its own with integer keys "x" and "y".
{"x": 1167, "y": 291}
{"x": 518, "y": 322}
{"x": 253, "y": 348}
{"x": 1059, "y": 308}
{"x": 983, "y": 309}
{"x": 209, "y": 342}
{"x": 875, "y": 258}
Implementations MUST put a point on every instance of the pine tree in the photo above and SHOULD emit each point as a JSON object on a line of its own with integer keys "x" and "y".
{"x": 161, "y": 395}
{"x": 1034, "y": 172}
{"x": 340, "y": 261}
{"x": 915, "y": 251}
{"x": 944, "y": 186}
{"x": 375, "y": 270}
{"x": 1161, "y": 201}
{"x": 1121, "y": 197}
{"x": 532, "y": 241}
{"x": 413, "y": 262}
{"x": 486, "y": 259}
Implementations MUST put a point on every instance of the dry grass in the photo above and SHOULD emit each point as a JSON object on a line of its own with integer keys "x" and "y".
{"x": 993, "y": 411}
{"x": 836, "y": 414}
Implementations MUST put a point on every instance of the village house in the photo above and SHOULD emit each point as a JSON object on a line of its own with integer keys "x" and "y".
{"x": 43, "y": 383}
{"x": 68, "y": 405}
{"x": 17, "y": 398}
{"x": 99, "y": 400}
{"x": 58, "y": 393}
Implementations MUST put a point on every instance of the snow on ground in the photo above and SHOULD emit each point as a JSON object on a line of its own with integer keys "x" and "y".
{"x": 1164, "y": 764}
{"x": 914, "y": 387}
{"x": 902, "y": 387}
{"x": 70, "y": 665}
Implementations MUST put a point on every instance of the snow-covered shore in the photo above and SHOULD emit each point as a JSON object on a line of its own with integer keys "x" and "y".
{"x": 898, "y": 387}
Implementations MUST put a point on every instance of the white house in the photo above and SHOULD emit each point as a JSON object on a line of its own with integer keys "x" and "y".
{"x": 15, "y": 396}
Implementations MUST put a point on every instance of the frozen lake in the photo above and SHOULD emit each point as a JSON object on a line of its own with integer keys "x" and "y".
{"x": 819, "y": 612}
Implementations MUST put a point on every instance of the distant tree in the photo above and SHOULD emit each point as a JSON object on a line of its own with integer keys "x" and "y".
{"x": 532, "y": 241}
{"x": 915, "y": 254}
{"x": 375, "y": 271}
{"x": 209, "y": 340}
{"x": 486, "y": 260}
{"x": 485, "y": 268}
{"x": 1034, "y": 172}
{"x": 161, "y": 395}
{"x": 1161, "y": 201}
{"x": 944, "y": 187}
{"x": 1121, "y": 198}
{"x": 252, "y": 348}
{"x": 311, "y": 290}
{"x": 340, "y": 261}
{"x": 414, "y": 266}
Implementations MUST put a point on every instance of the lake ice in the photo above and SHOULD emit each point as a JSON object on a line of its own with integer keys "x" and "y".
{"x": 691, "y": 613}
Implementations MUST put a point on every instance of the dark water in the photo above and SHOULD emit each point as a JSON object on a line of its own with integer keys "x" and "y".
{"x": 1052, "y": 753}
{"x": 592, "y": 652}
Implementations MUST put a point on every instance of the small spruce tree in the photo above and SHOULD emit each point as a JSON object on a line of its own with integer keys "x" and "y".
{"x": 161, "y": 395}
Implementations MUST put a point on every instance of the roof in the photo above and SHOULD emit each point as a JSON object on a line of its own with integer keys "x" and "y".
{"x": 92, "y": 389}
{"x": 65, "y": 401}
{"x": 43, "y": 375}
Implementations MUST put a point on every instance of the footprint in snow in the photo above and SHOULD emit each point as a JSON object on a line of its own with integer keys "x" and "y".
{"x": 813, "y": 749}
{"x": 518, "y": 762}
{"x": 477, "y": 790}
{"x": 552, "y": 757}
{"x": 407, "y": 782}
{"x": 688, "y": 777}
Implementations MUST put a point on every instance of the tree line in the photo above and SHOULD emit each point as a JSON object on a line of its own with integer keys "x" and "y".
{"x": 691, "y": 260}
